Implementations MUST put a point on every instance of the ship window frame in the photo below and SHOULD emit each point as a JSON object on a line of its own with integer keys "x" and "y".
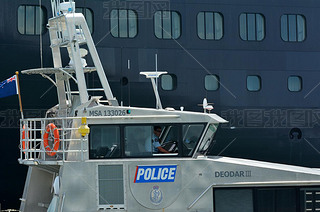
{"x": 249, "y": 29}
{"x": 236, "y": 199}
{"x": 124, "y": 185}
{"x": 183, "y": 151}
{"x": 24, "y": 23}
{"x": 217, "y": 79}
{"x": 207, "y": 141}
{"x": 107, "y": 149}
{"x": 290, "y": 29}
{"x": 116, "y": 29}
{"x": 214, "y": 24}
{"x": 197, "y": 143}
{"x": 172, "y": 23}
{"x": 300, "y": 83}
{"x": 314, "y": 192}
{"x": 280, "y": 196}
{"x": 129, "y": 152}
{"x": 86, "y": 13}
{"x": 174, "y": 82}
{"x": 259, "y": 80}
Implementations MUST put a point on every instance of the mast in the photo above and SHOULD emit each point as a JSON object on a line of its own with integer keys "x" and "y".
{"x": 69, "y": 30}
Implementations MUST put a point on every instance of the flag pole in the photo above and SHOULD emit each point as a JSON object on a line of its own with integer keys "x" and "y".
{"x": 20, "y": 103}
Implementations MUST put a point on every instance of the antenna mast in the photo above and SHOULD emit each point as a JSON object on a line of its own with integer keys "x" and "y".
{"x": 69, "y": 30}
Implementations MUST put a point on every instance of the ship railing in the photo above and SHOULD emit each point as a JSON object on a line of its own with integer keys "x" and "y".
{"x": 59, "y": 32}
{"x": 40, "y": 145}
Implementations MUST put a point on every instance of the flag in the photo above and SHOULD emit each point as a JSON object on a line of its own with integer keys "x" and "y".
{"x": 9, "y": 87}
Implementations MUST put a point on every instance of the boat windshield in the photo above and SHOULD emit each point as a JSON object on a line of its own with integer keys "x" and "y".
{"x": 144, "y": 140}
{"x": 208, "y": 140}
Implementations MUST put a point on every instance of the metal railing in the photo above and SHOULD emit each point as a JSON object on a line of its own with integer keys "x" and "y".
{"x": 56, "y": 6}
{"x": 49, "y": 140}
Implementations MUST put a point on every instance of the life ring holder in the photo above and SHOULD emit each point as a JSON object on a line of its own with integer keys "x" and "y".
{"x": 51, "y": 128}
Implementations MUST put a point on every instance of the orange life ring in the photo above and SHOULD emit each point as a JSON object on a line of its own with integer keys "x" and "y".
{"x": 51, "y": 127}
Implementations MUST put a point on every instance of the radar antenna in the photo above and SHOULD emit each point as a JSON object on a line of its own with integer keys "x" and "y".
{"x": 206, "y": 106}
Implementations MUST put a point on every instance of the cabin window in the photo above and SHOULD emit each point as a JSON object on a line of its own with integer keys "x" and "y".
{"x": 293, "y": 28}
{"x": 170, "y": 133}
{"x": 88, "y": 14}
{"x": 230, "y": 200}
{"x": 138, "y": 141}
{"x": 104, "y": 141}
{"x": 168, "y": 82}
{"x": 111, "y": 189}
{"x": 123, "y": 23}
{"x": 208, "y": 139}
{"x": 167, "y": 24}
{"x": 252, "y": 26}
{"x": 125, "y": 141}
{"x": 294, "y": 83}
{"x": 262, "y": 199}
{"x": 210, "y": 25}
{"x": 253, "y": 83}
{"x": 276, "y": 199}
{"x": 191, "y": 134}
{"x": 169, "y": 138}
{"x": 31, "y": 20}
{"x": 211, "y": 82}
{"x": 310, "y": 199}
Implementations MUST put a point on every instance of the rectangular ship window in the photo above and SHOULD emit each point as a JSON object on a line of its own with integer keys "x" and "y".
{"x": 252, "y": 26}
{"x": 138, "y": 141}
{"x": 111, "y": 188}
{"x": 295, "y": 83}
{"x": 123, "y": 23}
{"x": 253, "y": 83}
{"x": 167, "y": 24}
{"x": 31, "y": 19}
{"x": 191, "y": 134}
{"x": 276, "y": 199}
{"x": 230, "y": 200}
{"x": 293, "y": 28}
{"x": 310, "y": 199}
{"x": 104, "y": 142}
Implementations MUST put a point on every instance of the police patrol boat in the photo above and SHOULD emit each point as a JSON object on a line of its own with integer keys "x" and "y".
{"x": 90, "y": 154}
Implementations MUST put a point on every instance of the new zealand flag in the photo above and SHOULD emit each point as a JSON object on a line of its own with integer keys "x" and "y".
{"x": 8, "y": 87}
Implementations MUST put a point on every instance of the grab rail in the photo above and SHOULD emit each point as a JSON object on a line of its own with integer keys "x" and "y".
{"x": 71, "y": 147}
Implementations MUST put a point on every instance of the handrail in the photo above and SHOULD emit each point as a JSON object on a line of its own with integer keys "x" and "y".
{"x": 72, "y": 147}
